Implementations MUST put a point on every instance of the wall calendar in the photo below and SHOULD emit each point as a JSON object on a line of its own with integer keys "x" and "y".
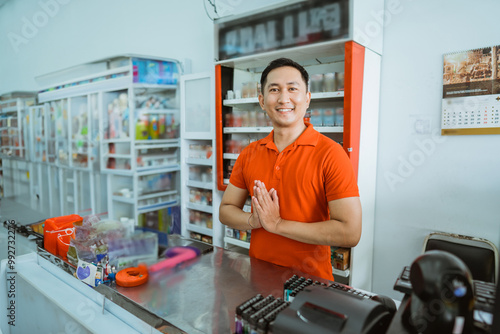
{"x": 471, "y": 92}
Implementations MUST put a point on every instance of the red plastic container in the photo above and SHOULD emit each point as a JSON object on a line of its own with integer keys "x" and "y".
{"x": 55, "y": 227}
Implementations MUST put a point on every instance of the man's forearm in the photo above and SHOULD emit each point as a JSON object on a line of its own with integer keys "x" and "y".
{"x": 331, "y": 232}
{"x": 234, "y": 217}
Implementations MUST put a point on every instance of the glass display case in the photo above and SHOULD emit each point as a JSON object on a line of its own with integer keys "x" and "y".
{"x": 115, "y": 130}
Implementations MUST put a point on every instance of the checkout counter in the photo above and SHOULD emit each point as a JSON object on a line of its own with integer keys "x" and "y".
{"x": 201, "y": 297}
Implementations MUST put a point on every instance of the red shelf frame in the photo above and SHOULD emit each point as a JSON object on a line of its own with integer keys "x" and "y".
{"x": 353, "y": 96}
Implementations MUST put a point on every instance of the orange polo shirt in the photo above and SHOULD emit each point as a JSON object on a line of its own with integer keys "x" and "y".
{"x": 307, "y": 175}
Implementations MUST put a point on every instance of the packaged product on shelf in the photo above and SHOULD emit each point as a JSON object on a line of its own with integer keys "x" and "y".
{"x": 316, "y": 117}
{"x": 261, "y": 118}
{"x": 194, "y": 173}
{"x": 233, "y": 146}
{"x": 154, "y": 102}
{"x": 341, "y": 258}
{"x": 237, "y": 119}
{"x": 195, "y": 236}
{"x": 206, "y": 238}
{"x": 245, "y": 119}
{"x": 328, "y": 117}
{"x": 307, "y": 116}
{"x": 316, "y": 83}
{"x": 252, "y": 118}
{"x": 209, "y": 220}
{"x": 200, "y": 218}
{"x": 154, "y": 128}
{"x": 228, "y": 120}
{"x": 208, "y": 151}
{"x": 142, "y": 127}
{"x": 340, "y": 80}
{"x": 329, "y": 82}
{"x": 339, "y": 116}
{"x": 155, "y": 71}
{"x": 229, "y": 169}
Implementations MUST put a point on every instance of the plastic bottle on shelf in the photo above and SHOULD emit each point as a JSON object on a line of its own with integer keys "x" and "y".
{"x": 329, "y": 82}
{"x": 154, "y": 129}
{"x": 328, "y": 117}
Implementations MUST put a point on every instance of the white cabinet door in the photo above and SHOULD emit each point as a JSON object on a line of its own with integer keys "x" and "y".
{"x": 198, "y": 106}
{"x": 200, "y": 201}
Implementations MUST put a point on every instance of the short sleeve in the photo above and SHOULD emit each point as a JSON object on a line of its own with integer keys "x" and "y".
{"x": 340, "y": 180}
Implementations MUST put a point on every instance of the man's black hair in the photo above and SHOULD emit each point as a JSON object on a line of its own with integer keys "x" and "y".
{"x": 281, "y": 62}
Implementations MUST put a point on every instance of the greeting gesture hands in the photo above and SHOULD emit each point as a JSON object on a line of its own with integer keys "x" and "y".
{"x": 266, "y": 206}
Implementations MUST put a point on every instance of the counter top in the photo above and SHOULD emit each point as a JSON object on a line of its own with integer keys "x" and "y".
{"x": 202, "y": 297}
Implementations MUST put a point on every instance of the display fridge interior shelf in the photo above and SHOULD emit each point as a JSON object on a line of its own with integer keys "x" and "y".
{"x": 237, "y": 242}
{"x": 199, "y": 207}
{"x": 195, "y": 161}
{"x": 156, "y": 206}
{"x": 254, "y": 100}
{"x": 199, "y": 184}
{"x": 325, "y": 52}
{"x": 342, "y": 273}
{"x": 200, "y": 229}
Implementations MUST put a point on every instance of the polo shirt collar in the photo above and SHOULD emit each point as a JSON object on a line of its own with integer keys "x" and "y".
{"x": 308, "y": 137}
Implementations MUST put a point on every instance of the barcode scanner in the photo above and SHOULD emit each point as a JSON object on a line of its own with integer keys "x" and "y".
{"x": 442, "y": 300}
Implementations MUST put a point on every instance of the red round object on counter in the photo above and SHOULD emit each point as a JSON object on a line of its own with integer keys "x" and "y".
{"x": 132, "y": 276}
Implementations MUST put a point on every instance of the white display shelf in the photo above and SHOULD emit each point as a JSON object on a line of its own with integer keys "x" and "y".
{"x": 248, "y": 129}
{"x": 236, "y": 242}
{"x": 342, "y": 273}
{"x": 123, "y": 199}
{"x": 144, "y": 111}
{"x": 200, "y": 229}
{"x": 199, "y": 207}
{"x": 240, "y": 102}
{"x": 200, "y": 184}
{"x": 150, "y": 170}
{"x": 230, "y": 156}
{"x": 157, "y": 206}
{"x": 156, "y": 143}
{"x": 203, "y": 162}
{"x": 9, "y": 109}
{"x": 329, "y": 129}
{"x": 255, "y": 100}
{"x": 327, "y": 95}
{"x": 152, "y": 88}
{"x": 116, "y": 140}
{"x": 158, "y": 194}
{"x": 118, "y": 156}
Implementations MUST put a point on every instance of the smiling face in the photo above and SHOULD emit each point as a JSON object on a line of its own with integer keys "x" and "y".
{"x": 285, "y": 97}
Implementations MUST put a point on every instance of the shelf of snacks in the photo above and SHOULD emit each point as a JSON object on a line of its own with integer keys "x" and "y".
{"x": 14, "y": 124}
{"x": 120, "y": 121}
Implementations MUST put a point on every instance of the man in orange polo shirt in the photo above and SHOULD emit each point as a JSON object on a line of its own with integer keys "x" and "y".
{"x": 303, "y": 188}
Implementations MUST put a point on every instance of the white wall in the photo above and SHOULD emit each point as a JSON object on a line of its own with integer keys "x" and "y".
{"x": 455, "y": 185}
{"x": 72, "y": 32}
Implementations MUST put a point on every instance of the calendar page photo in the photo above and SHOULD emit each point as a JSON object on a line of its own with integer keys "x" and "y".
{"x": 471, "y": 92}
